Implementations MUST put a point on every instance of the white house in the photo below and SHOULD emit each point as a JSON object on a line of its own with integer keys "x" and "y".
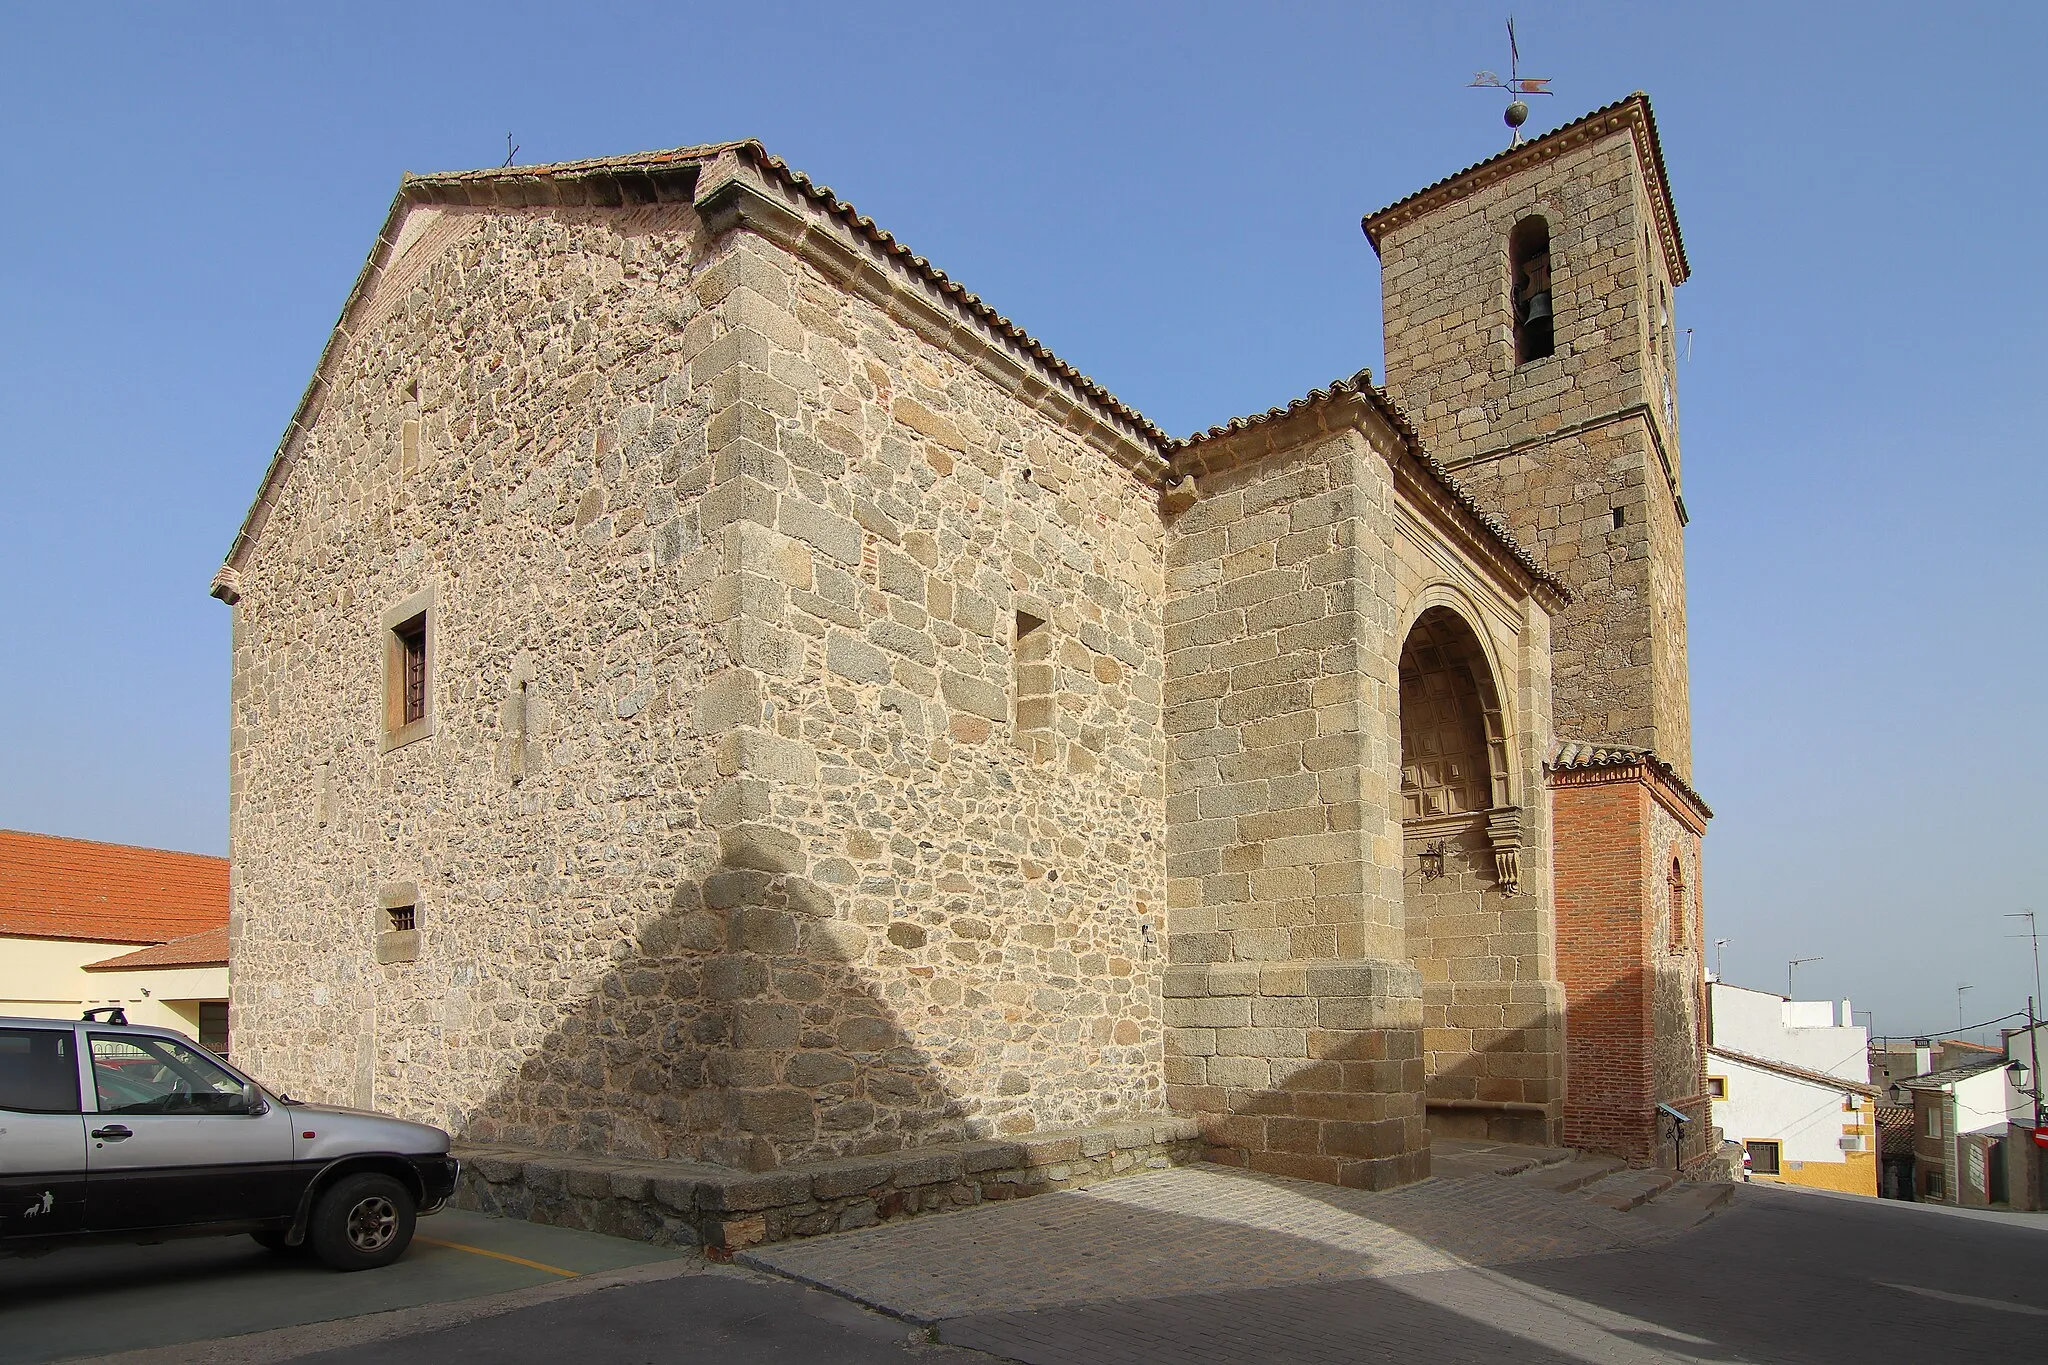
{"x": 1790, "y": 1081}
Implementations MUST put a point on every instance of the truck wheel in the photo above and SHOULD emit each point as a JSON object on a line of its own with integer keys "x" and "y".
{"x": 361, "y": 1222}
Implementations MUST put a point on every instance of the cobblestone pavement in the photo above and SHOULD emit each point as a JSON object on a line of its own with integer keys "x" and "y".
{"x": 1195, "y": 1230}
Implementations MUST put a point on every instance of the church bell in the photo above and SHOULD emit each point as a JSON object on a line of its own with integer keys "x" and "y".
{"x": 1538, "y": 308}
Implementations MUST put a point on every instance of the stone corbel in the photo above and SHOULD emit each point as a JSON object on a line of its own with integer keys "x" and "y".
{"x": 730, "y": 196}
{"x": 1504, "y": 832}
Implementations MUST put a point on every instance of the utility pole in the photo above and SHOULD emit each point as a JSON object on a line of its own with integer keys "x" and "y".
{"x": 1794, "y": 965}
{"x": 2034, "y": 1043}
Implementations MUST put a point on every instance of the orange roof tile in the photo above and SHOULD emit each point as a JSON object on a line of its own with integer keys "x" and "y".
{"x": 206, "y": 949}
{"x": 75, "y": 888}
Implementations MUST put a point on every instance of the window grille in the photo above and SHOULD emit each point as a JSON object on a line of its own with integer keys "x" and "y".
{"x": 412, "y": 643}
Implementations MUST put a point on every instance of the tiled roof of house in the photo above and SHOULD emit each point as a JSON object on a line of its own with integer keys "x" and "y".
{"x": 1934, "y": 1080}
{"x": 1633, "y": 112}
{"x": 1895, "y": 1129}
{"x": 208, "y": 948}
{"x": 1791, "y": 1072}
{"x": 112, "y": 893}
{"x": 1579, "y": 754}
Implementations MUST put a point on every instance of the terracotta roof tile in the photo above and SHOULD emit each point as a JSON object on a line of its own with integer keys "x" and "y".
{"x": 75, "y": 888}
{"x": 1797, "y": 1073}
{"x": 1573, "y": 754}
{"x": 208, "y": 948}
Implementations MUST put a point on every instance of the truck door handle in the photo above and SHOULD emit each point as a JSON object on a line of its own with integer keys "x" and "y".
{"x": 113, "y": 1132}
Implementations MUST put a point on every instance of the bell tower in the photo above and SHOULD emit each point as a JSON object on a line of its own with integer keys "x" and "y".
{"x": 1529, "y": 337}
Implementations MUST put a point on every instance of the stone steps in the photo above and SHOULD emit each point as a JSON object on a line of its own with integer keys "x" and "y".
{"x": 1658, "y": 1197}
{"x": 1629, "y": 1189}
{"x": 1574, "y": 1174}
{"x": 1686, "y": 1205}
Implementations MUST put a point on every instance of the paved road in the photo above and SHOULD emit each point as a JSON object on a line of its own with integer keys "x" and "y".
{"x": 1195, "y": 1230}
{"x": 1779, "y": 1276}
{"x": 95, "y": 1300}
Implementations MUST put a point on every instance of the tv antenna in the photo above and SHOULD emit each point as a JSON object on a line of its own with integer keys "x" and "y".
{"x": 1517, "y": 85}
{"x": 510, "y": 150}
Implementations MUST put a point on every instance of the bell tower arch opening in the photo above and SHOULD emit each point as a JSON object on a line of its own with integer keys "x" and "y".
{"x": 1529, "y": 290}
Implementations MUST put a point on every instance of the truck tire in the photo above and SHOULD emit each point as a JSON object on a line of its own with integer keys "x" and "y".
{"x": 361, "y": 1221}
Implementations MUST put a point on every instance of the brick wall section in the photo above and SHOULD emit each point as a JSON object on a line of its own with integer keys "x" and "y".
{"x": 1633, "y": 1029}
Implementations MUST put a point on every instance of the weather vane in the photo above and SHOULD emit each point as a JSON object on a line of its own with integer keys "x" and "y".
{"x": 1517, "y": 85}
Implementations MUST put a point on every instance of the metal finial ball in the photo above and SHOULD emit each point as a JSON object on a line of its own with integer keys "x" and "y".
{"x": 1517, "y": 114}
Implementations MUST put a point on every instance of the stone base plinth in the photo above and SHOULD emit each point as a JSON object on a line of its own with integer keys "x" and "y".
{"x": 1494, "y": 1053}
{"x": 678, "y": 1203}
{"x": 1309, "y": 1069}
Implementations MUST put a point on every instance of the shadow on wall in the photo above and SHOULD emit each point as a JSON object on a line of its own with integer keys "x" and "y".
{"x": 735, "y": 1029}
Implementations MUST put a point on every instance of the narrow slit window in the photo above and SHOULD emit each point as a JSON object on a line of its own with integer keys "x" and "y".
{"x": 1618, "y": 518}
{"x": 412, "y": 664}
{"x": 1529, "y": 277}
{"x": 1678, "y": 904}
{"x": 1034, "y": 680}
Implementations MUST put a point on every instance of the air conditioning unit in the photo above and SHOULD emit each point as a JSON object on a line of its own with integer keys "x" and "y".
{"x": 1852, "y": 1143}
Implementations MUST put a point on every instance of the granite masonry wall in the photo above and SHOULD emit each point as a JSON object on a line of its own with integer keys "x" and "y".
{"x": 1294, "y": 1014}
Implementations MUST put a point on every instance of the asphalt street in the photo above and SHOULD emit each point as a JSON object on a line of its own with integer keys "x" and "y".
{"x": 87, "y": 1301}
{"x": 1777, "y": 1276}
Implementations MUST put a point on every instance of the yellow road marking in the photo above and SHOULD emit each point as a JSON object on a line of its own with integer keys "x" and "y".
{"x": 501, "y": 1256}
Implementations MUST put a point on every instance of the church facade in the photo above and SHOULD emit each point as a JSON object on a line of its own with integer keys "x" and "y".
{"x": 707, "y": 686}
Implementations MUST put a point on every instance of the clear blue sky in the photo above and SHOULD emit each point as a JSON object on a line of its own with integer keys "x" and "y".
{"x": 1168, "y": 195}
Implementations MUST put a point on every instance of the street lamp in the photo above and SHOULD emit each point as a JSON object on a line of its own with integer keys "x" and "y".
{"x": 1959, "y": 1010}
{"x": 1719, "y": 944}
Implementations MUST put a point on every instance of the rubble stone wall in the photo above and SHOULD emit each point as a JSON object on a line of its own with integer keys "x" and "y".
{"x": 510, "y": 436}
{"x": 723, "y": 839}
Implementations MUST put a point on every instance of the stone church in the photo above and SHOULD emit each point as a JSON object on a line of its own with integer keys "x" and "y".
{"x": 708, "y": 687}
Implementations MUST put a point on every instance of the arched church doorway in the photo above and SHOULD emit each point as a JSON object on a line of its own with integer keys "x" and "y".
{"x": 1489, "y": 1048}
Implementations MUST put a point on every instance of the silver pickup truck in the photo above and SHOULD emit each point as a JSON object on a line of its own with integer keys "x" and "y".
{"x": 116, "y": 1132}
